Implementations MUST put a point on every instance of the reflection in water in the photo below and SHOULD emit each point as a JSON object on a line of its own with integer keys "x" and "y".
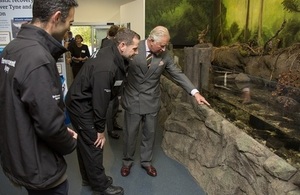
{"x": 242, "y": 82}
{"x": 243, "y": 99}
{"x": 245, "y": 89}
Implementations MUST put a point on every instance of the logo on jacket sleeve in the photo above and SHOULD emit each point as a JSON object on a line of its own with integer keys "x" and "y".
{"x": 56, "y": 97}
{"x": 8, "y": 64}
{"x": 118, "y": 83}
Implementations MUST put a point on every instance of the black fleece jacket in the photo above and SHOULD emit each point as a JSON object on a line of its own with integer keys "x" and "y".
{"x": 33, "y": 137}
{"x": 98, "y": 81}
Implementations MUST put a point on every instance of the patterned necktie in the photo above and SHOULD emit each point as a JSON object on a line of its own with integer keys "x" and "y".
{"x": 148, "y": 59}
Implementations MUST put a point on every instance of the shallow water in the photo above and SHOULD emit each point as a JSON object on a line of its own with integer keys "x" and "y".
{"x": 252, "y": 106}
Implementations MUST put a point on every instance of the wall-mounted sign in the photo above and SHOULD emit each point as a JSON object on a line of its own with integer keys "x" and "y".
{"x": 16, "y": 24}
{"x": 4, "y": 38}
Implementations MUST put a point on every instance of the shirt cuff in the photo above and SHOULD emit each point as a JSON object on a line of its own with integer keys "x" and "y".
{"x": 194, "y": 91}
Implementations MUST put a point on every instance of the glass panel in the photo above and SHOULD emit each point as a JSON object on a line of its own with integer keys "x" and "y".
{"x": 267, "y": 110}
{"x": 99, "y": 32}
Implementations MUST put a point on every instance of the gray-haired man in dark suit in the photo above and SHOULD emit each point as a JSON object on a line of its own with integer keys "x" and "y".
{"x": 141, "y": 96}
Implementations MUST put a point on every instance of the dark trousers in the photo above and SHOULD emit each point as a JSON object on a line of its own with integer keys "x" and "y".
{"x": 111, "y": 114}
{"x": 90, "y": 158}
{"x": 75, "y": 69}
{"x": 61, "y": 189}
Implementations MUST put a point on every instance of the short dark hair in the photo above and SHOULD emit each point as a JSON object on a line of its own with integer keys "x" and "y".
{"x": 43, "y": 10}
{"x": 126, "y": 35}
{"x": 112, "y": 31}
{"x": 79, "y": 36}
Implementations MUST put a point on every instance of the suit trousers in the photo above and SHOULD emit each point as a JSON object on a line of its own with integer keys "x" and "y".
{"x": 132, "y": 124}
{"x": 90, "y": 158}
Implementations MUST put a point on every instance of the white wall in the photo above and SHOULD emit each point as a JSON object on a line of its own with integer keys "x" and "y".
{"x": 134, "y": 13}
{"x": 98, "y": 11}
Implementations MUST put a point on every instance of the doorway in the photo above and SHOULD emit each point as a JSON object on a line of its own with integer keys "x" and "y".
{"x": 91, "y": 34}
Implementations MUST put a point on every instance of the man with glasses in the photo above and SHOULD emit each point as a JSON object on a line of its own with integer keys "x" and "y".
{"x": 141, "y": 97}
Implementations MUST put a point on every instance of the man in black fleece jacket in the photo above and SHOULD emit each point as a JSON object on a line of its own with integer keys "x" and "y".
{"x": 97, "y": 83}
{"x": 33, "y": 136}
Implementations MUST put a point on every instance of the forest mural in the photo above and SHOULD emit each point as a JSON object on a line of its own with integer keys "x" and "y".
{"x": 183, "y": 18}
{"x": 256, "y": 22}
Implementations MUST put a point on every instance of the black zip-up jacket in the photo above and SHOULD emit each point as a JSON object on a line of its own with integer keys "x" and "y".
{"x": 98, "y": 81}
{"x": 33, "y": 137}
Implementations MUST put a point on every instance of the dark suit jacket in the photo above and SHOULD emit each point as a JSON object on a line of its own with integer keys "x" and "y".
{"x": 106, "y": 42}
{"x": 141, "y": 94}
{"x": 101, "y": 46}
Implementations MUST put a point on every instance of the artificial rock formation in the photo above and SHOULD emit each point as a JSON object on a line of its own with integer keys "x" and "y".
{"x": 220, "y": 156}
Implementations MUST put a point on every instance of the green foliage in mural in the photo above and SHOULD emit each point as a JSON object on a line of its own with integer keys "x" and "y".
{"x": 265, "y": 21}
{"x": 291, "y": 33}
{"x": 234, "y": 29}
{"x": 184, "y": 19}
{"x": 291, "y": 5}
{"x": 230, "y": 21}
{"x": 156, "y": 12}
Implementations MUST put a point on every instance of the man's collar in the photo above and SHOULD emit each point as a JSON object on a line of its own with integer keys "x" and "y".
{"x": 147, "y": 48}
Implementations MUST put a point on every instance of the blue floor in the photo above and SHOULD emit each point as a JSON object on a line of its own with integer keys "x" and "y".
{"x": 172, "y": 177}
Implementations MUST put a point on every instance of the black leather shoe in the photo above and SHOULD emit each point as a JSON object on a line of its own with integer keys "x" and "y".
{"x": 110, "y": 179}
{"x": 117, "y": 127}
{"x": 114, "y": 135}
{"x": 111, "y": 190}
